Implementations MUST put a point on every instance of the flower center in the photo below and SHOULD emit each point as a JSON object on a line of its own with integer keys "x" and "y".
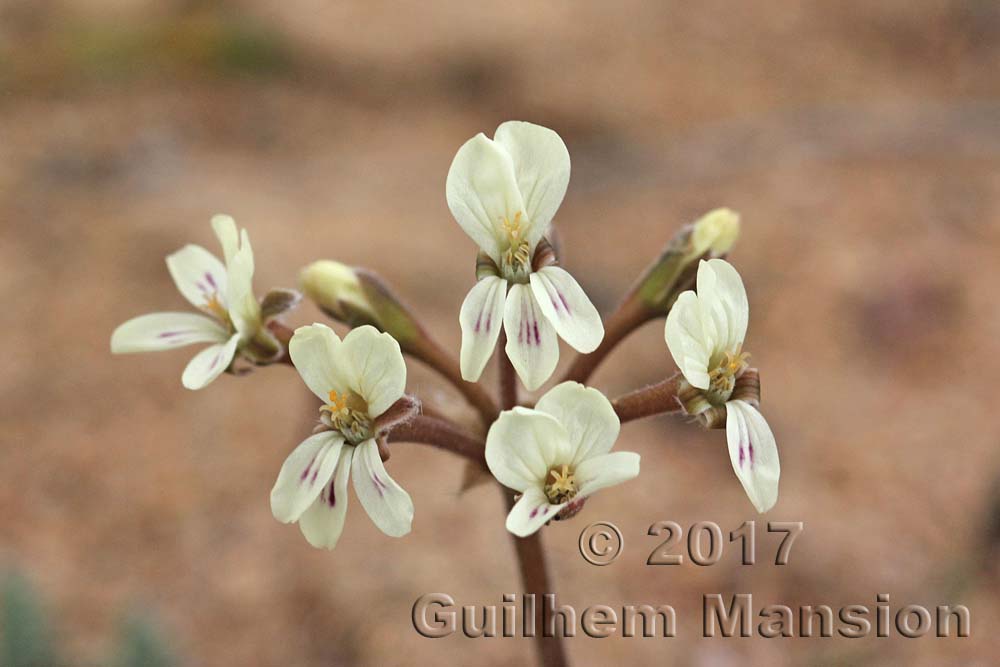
{"x": 516, "y": 259}
{"x": 348, "y": 413}
{"x": 560, "y": 485}
{"x": 722, "y": 378}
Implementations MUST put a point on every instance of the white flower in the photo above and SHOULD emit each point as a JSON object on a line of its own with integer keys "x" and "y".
{"x": 557, "y": 454}
{"x": 223, "y": 292}
{"x": 358, "y": 379}
{"x": 504, "y": 192}
{"x": 705, "y": 333}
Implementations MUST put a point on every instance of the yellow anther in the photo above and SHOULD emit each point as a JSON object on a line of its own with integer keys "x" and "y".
{"x": 338, "y": 402}
{"x": 563, "y": 484}
{"x": 215, "y": 307}
{"x": 513, "y": 228}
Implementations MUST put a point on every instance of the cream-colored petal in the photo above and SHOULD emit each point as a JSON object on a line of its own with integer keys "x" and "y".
{"x": 587, "y": 416}
{"x": 225, "y": 229}
{"x": 209, "y": 364}
{"x": 523, "y": 445}
{"x": 600, "y": 472}
{"x": 323, "y": 523}
{"x": 244, "y": 309}
{"x": 687, "y": 340}
{"x": 541, "y": 167}
{"x": 313, "y": 350}
{"x": 532, "y": 344}
{"x": 378, "y": 372}
{"x": 566, "y": 306}
{"x": 723, "y": 301}
{"x": 754, "y": 453}
{"x": 388, "y": 505}
{"x": 166, "y": 331}
{"x": 199, "y": 275}
{"x": 531, "y": 512}
{"x": 303, "y": 475}
{"x": 482, "y": 192}
{"x": 481, "y": 319}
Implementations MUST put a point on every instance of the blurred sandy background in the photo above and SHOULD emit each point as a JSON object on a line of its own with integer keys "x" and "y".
{"x": 860, "y": 141}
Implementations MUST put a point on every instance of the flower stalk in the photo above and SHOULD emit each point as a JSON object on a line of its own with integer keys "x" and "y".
{"x": 658, "y": 399}
{"x": 440, "y": 433}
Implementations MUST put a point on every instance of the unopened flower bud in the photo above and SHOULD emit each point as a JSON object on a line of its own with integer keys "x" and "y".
{"x": 356, "y": 297}
{"x": 673, "y": 271}
{"x": 336, "y": 289}
{"x": 715, "y": 232}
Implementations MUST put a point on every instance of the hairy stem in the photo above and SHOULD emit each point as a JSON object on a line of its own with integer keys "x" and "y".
{"x": 629, "y": 316}
{"x": 440, "y": 433}
{"x": 657, "y": 399}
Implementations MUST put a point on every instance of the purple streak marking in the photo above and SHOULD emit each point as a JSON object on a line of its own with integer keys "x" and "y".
{"x": 332, "y": 497}
{"x": 538, "y": 337}
{"x": 751, "y": 454}
{"x": 305, "y": 473}
{"x": 211, "y": 280}
{"x": 742, "y": 454}
{"x": 479, "y": 321}
{"x": 534, "y": 513}
{"x": 380, "y": 486}
{"x": 564, "y": 302}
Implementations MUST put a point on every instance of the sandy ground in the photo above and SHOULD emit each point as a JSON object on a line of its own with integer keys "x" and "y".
{"x": 860, "y": 141}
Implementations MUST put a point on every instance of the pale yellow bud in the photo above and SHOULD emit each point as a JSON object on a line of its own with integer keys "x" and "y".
{"x": 336, "y": 289}
{"x": 715, "y": 232}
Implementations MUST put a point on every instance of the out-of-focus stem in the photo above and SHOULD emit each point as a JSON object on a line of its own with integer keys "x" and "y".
{"x": 657, "y": 399}
{"x": 440, "y": 433}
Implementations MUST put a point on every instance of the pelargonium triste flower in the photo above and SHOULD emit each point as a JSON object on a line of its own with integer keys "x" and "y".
{"x": 504, "y": 193}
{"x": 705, "y": 333}
{"x": 358, "y": 379}
{"x": 231, "y": 318}
{"x": 557, "y": 454}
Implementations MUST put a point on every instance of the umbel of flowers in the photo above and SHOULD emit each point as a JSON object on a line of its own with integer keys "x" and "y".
{"x": 548, "y": 457}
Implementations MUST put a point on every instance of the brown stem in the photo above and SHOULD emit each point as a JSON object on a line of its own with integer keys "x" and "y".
{"x": 437, "y": 358}
{"x": 655, "y": 399}
{"x": 440, "y": 433}
{"x": 629, "y": 316}
{"x": 535, "y": 579}
{"x": 507, "y": 376}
